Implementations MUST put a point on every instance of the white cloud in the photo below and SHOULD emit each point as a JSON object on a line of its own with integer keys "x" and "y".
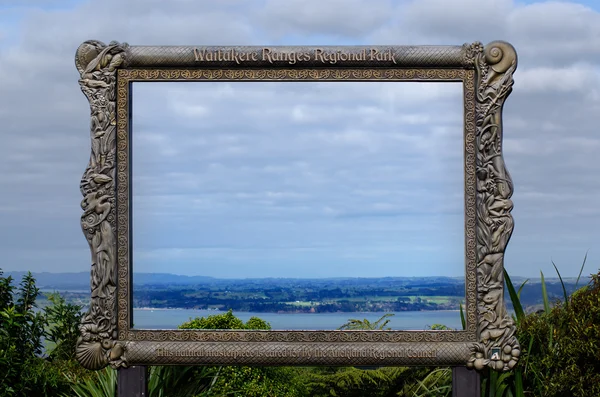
{"x": 536, "y": 26}
{"x": 334, "y": 17}
{"x": 578, "y": 78}
{"x": 190, "y": 110}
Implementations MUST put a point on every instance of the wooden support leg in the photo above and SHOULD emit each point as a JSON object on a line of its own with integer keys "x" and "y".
{"x": 132, "y": 382}
{"x": 465, "y": 382}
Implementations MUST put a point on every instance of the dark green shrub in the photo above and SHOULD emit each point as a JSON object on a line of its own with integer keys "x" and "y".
{"x": 563, "y": 357}
{"x": 224, "y": 321}
{"x": 62, "y": 327}
{"x": 23, "y": 372}
{"x": 382, "y": 382}
{"x": 246, "y": 381}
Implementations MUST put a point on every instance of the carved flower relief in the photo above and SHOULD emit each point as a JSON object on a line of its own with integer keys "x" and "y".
{"x": 472, "y": 51}
{"x": 477, "y": 47}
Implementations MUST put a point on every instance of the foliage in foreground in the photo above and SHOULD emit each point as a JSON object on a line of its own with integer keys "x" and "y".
{"x": 561, "y": 356}
{"x": 381, "y": 382}
{"x": 244, "y": 380}
{"x": 23, "y": 370}
{"x": 561, "y": 346}
{"x": 163, "y": 381}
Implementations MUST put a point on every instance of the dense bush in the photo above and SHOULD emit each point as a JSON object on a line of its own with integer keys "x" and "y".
{"x": 563, "y": 357}
{"x": 62, "y": 327}
{"x": 23, "y": 370}
{"x": 246, "y": 381}
{"x": 381, "y": 382}
{"x": 224, "y": 321}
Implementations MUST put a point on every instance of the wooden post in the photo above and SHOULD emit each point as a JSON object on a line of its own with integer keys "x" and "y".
{"x": 132, "y": 382}
{"x": 465, "y": 382}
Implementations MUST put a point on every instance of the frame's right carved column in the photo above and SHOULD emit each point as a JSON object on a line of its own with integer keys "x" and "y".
{"x": 498, "y": 347}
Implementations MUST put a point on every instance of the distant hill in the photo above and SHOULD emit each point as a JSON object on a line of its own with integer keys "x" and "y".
{"x": 274, "y": 294}
{"x": 81, "y": 280}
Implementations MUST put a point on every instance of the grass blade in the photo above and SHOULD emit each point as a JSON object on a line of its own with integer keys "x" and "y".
{"x": 502, "y": 383}
{"x": 485, "y": 386}
{"x": 545, "y": 295}
{"x": 493, "y": 383}
{"x": 547, "y": 308}
{"x": 514, "y": 297}
{"x": 581, "y": 270}
{"x": 521, "y": 288}
{"x": 561, "y": 283}
{"x": 501, "y": 388}
{"x": 528, "y": 352}
{"x": 519, "y": 391}
{"x": 462, "y": 317}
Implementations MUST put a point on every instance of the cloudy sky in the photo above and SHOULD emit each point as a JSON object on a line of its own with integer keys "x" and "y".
{"x": 307, "y": 179}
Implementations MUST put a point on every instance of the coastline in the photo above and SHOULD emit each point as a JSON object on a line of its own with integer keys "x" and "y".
{"x": 286, "y": 312}
{"x": 406, "y": 320}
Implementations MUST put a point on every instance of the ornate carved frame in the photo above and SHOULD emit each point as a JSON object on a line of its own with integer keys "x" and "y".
{"x": 107, "y": 337}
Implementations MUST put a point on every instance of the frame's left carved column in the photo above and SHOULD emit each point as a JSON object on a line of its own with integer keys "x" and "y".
{"x": 97, "y": 64}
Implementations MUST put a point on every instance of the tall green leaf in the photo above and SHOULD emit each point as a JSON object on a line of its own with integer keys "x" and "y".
{"x": 519, "y": 391}
{"x": 545, "y": 295}
{"x": 436, "y": 383}
{"x": 547, "y": 308}
{"x": 502, "y": 384}
{"x": 485, "y": 386}
{"x": 354, "y": 324}
{"x": 521, "y": 288}
{"x": 180, "y": 381}
{"x": 514, "y": 297}
{"x": 104, "y": 385}
{"x": 462, "y": 317}
{"x": 566, "y": 296}
{"x": 378, "y": 324}
{"x": 581, "y": 270}
{"x": 493, "y": 377}
{"x": 528, "y": 352}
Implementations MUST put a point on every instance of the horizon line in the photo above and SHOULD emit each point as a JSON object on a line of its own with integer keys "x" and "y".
{"x": 285, "y": 277}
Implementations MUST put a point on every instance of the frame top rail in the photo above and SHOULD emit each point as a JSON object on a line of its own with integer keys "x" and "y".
{"x": 299, "y": 56}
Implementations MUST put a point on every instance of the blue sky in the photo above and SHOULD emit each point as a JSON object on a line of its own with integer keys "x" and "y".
{"x": 343, "y": 221}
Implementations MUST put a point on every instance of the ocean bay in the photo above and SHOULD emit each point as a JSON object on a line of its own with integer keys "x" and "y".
{"x": 406, "y": 320}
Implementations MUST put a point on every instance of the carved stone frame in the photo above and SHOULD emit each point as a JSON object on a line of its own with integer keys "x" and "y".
{"x": 107, "y": 337}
